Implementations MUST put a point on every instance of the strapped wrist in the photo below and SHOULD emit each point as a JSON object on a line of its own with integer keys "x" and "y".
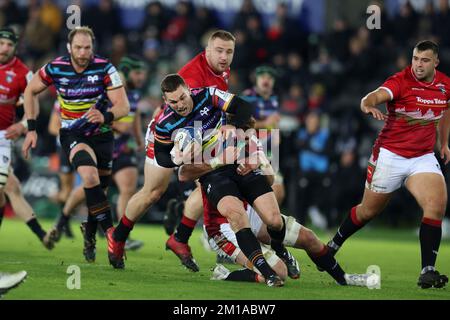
{"x": 31, "y": 124}
{"x": 108, "y": 117}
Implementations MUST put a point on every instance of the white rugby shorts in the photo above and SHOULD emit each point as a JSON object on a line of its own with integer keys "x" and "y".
{"x": 390, "y": 171}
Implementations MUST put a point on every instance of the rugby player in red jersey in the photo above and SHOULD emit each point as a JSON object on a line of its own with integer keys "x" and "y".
{"x": 14, "y": 76}
{"x": 417, "y": 100}
{"x": 210, "y": 68}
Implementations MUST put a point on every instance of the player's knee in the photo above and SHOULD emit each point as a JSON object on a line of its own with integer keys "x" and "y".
{"x": 158, "y": 192}
{"x": 13, "y": 186}
{"x": 237, "y": 219}
{"x": 274, "y": 221}
{"x": 230, "y": 213}
{"x": 83, "y": 158}
{"x": 434, "y": 207}
{"x": 436, "y": 204}
{"x": 90, "y": 177}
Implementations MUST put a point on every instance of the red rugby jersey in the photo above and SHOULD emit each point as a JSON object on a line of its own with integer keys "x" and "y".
{"x": 198, "y": 74}
{"x": 14, "y": 77}
{"x": 413, "y": 113}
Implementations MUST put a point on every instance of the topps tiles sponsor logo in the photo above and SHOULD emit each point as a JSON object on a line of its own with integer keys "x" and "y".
{"x": 430, "y": 101}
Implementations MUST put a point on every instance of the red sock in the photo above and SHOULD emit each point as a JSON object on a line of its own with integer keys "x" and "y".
{"x": 127, "y": 222}
{"x": 184, "y": 229}
{"x": 354, "y": 217}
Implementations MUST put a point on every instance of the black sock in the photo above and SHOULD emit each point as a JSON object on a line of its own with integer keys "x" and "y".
{"x": 123, "y": 229}
{"x": 98, "y": 206}
{"x": 246, "y": 275}
{"x": 91, "y": 227}
{"x": 326, "y": 261}
{"x": 2, "y": 212}
{"x": 276, "y": 239}
{"x": 184, "y": 229}
{"x": 430, "y": 238}
{"x": 63, "y": 220}
{"x": 36, "y": 228}
{"x": 350, "y": 225}
{"x": 252, "y": 250}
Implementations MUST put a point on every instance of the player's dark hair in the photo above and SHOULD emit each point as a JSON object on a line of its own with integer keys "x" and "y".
{"x": 427, "y": 45}
{"x": 222, "y": 34}
{"x": 171, "y": 82}
{"x": 83, "y": 29}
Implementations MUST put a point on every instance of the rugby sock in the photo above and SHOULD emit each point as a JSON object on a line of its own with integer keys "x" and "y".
{"x": 252, "y": 250}
{"x": 430, "y": 238}
{"x": 350, "y": 225}
{"x": 2, "y": 212}
{"x": 243, "y": 275}
{"x": 98, "y": 206}
{"x": 325, "y": 260}
{"x": 277, "y": 238}
{"x": 91, "y": 227}
{"x": 36, "y": 228}
{"x": 123, "y": 229}
{"x": 184, "y": 229}
{"x": 63, "y": 220}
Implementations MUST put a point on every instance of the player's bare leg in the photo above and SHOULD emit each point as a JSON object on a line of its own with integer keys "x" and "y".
{"x": 126, "y": 181}
{"x": 280, "y": 193}
{"x": 75, "y": 198}
{"x": 156, "y": 180}
{"x": 233, "y": 209}
{"x": 24, "y": 211}
{"x": 178, "y": 241}
{"x": 371, "y": 205}
{"x": 83, "y": 158}
{"x": 155, "y": 184}
{"x": 250, "y": 274}
{"x": 300, "y": 237}
{"x": 267, "y": 208}
{"x": 430, "y": 192}
{"x": 67, "y": 180}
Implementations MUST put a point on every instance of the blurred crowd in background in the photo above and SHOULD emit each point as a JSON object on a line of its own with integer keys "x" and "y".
{"x": 325, "y": 66}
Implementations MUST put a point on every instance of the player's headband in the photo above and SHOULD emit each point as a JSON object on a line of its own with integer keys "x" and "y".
{"x": 8, "y": 33}
{"x": 131, "y": 63}
{"x": 266, "y": 70}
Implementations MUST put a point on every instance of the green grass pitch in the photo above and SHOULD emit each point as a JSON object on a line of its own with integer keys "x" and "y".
{"x": 153, "y": 273}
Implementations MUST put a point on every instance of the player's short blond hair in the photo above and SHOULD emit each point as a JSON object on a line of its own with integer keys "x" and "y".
{"x": 223, "y": 35}
{"x": 83, "y": 29}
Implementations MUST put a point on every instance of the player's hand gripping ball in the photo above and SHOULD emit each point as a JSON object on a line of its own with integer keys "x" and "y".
{"x": 186, "y": 141}
{"x": 184, "y": 137}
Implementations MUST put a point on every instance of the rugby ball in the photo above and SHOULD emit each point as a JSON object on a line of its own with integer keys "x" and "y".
{"x": 184, "y": 137}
